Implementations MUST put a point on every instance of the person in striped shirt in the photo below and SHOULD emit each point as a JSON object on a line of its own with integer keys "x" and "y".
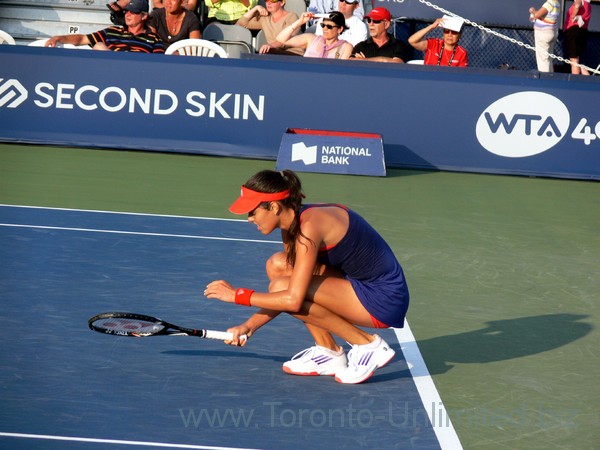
{"x": 135, "y": 36}
{"x": 545, "y": 31}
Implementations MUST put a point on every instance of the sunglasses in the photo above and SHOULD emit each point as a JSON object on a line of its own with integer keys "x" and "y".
{"x": 447, "y": 31}
{"x": 329, "y": 27}
{"x": 349, "y": 2}
{"x": 376, "y": 22}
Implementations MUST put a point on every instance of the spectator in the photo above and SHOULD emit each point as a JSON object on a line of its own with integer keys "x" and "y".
{"x": 272, "y": 20}
{"x": 117, "y": 11}
{"x": 327, "y": 6}
{"x": 173, "y": 22}
{"x": 190, "y": 5}
{"x": 228, "y": 11}
{"x": 575, "y": 29}
{"x": 356, "y": 30}
{"x": 442, "y": 52}
{"x": 381, "y": 45}
{"x": 134, "y": 37}
{"x": 119, "y": 5}
{"x": 545, "y": 31}
{"x": 328, "y": 46}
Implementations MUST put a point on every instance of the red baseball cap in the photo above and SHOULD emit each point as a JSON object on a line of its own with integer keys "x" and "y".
{"x": 380, "y": 13}
{"x": 249, "y": 199}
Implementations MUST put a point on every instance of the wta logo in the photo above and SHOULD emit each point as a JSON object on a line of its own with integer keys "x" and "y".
{"x": 12, "y": 93}
{"x": 523, "y": 124}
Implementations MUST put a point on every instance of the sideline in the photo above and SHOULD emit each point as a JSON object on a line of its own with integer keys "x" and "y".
{"x": 114, "y": 441}
{"x": 432, "y": 402}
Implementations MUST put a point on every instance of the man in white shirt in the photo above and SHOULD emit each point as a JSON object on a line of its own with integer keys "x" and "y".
{"x": 356, "y": 30}
{"x": 326, "y": 6}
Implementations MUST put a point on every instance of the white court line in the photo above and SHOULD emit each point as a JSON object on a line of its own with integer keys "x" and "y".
{"x": 114, "y": 441}
{"x": 430, "y": 397}
{"x": 138, "y": 233}
{"x": 438, "y": 416}
{"x": 99, "y": 211}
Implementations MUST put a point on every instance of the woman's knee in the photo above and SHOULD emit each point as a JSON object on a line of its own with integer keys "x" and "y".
{"x": 277, "y": 266}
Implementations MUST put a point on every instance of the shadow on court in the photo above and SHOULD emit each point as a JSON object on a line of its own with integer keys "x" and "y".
{"x": 218, "y": 354}
{"x": 278, "y": 360}
{"x": 502, "y": 340}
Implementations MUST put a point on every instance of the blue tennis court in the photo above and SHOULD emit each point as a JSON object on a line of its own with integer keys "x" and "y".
{"x": 64, "y": 386}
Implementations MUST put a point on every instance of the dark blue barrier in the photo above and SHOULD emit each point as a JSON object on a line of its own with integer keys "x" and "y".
{"x": 430, "y": 118}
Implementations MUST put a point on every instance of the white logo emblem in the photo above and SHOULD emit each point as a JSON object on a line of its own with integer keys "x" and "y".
{"x": 12, "y": 93}
{"x": 523, "y": 124}
{"x": 300, "y": 152}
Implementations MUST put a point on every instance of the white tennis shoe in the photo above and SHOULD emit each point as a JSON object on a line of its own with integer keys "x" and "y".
{"x": 315, "y": 361}
{"x": 363, "y": 360}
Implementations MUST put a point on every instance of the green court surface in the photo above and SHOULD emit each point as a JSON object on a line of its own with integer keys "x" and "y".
{"x": 504, "y": 272}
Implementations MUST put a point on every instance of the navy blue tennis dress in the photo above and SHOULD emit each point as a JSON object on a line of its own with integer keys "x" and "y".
{"x": 367, "y": 261}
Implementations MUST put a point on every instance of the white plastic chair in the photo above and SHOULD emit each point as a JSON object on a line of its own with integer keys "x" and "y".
{"x": 261, "y": 39}
{"x": 196, "y": 47}
{"x": 42, "y": 43}
{"x": 6, "y": 38}
{"x": 235, "y": 39}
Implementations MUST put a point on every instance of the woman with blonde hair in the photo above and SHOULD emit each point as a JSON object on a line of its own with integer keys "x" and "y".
{"x": 272, "y": 19}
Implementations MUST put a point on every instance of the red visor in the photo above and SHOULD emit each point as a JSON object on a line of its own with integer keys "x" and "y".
{"x": 249, "y": 200}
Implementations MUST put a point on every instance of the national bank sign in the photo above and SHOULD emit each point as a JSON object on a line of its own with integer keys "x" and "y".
{"x": 331, "y": 152}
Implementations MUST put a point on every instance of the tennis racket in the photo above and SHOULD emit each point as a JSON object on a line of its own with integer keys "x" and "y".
{"x": 139, "y": 325}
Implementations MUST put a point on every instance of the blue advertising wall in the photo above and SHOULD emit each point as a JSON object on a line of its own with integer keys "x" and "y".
{"x": 478, "y": 120}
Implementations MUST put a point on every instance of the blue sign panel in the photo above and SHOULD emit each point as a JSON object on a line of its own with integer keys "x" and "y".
{"x": 331, "y": 152}
{"x": 476, "y": 120}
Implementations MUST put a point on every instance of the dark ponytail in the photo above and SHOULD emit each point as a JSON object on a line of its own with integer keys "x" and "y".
{"x": 270, "y": 181}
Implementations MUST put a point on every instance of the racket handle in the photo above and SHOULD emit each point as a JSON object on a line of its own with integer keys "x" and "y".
{"x": 222, "y": 335}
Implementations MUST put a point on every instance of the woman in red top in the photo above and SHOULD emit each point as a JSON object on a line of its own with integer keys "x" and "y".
{"x": 441, "y": 52}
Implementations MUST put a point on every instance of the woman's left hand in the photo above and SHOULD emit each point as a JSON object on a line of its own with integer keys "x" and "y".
{"x": 221, "y": 290}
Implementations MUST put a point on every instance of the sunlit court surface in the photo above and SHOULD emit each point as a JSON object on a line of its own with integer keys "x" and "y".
{"x": 500, "y": 350}
{"x": 65, "y": 266}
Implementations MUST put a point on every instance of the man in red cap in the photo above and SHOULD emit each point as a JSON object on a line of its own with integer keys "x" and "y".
{"x": 381, "y": 46}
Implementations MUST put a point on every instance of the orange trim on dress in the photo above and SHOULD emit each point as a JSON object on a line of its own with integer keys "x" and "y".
{"x": 378, "y": 323}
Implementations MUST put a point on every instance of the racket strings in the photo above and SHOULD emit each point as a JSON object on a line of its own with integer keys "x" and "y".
{"x": 128, "y": 326}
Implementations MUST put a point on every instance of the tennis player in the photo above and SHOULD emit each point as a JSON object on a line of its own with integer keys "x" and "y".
{"x": 336, "y": 274}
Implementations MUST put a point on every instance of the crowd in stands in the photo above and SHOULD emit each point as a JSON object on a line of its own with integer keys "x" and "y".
{"x": 333, "y": 29}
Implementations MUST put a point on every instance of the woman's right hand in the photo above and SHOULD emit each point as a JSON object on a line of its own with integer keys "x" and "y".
{"x": 238, "y": 331}
{"x": 305, "y": 18}
{"x": 438, "y": 23}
